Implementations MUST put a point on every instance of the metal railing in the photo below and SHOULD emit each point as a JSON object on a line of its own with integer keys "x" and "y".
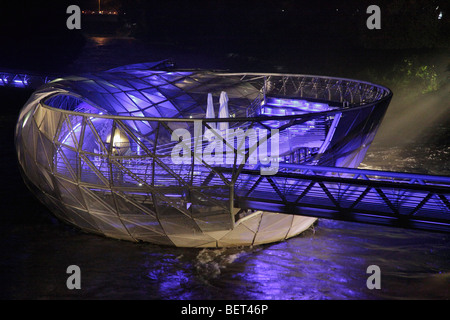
{"x": 391, "y": 198}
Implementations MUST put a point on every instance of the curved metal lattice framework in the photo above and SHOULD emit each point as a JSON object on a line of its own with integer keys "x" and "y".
{"x": 98, "y": 149}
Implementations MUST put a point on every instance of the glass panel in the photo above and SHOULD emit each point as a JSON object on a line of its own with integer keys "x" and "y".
{"x": 44, "y": 151}
{"x": 70, "y": 194}
{"x": 95, "y": 171}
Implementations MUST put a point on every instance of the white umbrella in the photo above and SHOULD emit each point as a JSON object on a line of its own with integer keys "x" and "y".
{"x": 223, "y": 110}
{"x": 210, "y": 111}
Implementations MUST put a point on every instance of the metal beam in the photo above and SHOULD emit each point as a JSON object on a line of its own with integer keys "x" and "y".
{"x": 381, "y": 197}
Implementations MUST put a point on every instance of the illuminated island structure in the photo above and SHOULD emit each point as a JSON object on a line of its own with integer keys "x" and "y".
{"x": 145, "y": 153}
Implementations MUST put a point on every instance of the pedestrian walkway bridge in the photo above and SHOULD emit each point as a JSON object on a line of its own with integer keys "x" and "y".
{"x": 389, "y": 198}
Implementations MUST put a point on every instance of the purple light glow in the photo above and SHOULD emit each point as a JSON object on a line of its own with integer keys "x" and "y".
{"x": 295, "y": 105}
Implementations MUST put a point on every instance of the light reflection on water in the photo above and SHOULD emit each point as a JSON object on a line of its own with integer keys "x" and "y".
{"x": 329, "y": 262}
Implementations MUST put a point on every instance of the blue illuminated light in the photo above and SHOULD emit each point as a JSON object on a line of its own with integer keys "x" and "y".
{"x": 286, "y": 107}
{"x": 292, "y": 107}
{"x": 22, "y": 80}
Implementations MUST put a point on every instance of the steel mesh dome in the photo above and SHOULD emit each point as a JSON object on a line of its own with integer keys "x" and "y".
{"x": 96, "y": 149}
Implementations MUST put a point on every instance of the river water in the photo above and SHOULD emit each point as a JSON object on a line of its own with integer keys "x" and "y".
{"x": 327, "y": 262}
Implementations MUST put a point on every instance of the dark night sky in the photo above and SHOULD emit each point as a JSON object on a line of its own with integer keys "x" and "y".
{"x": 317, "y": 16}
{"x": 40, "y": 26}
